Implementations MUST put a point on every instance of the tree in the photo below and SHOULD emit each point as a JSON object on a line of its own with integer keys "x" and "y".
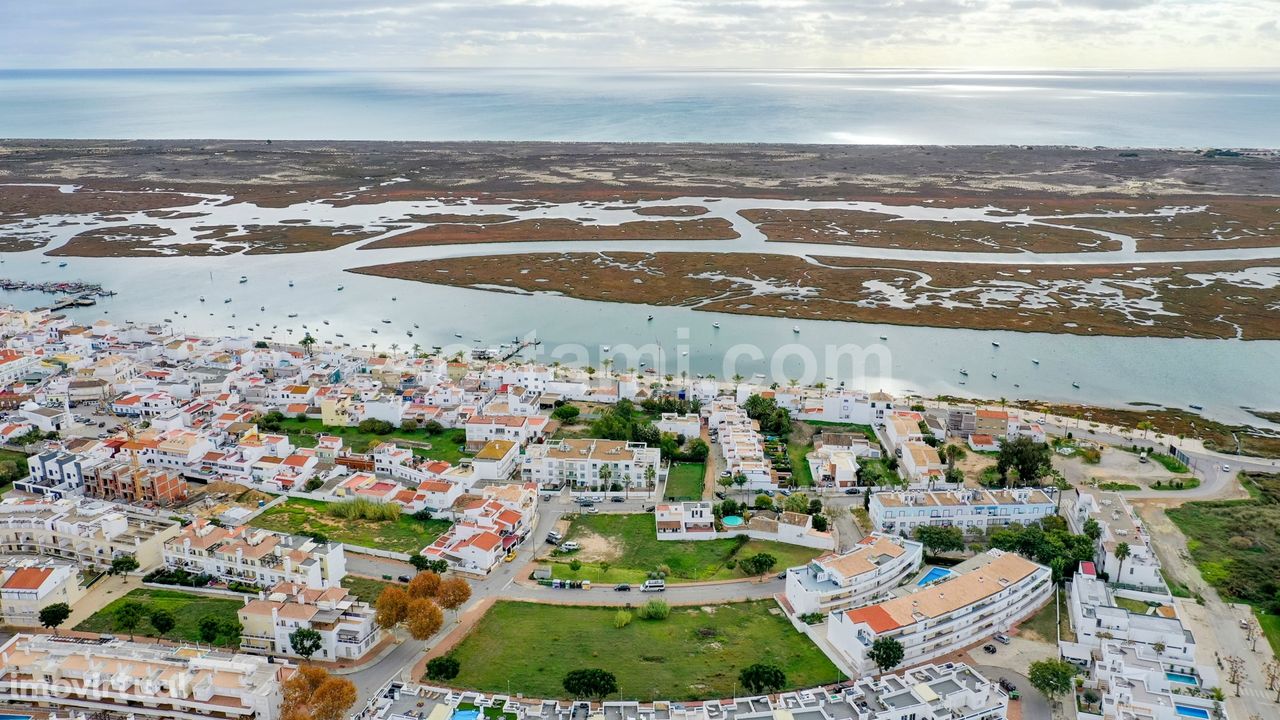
{"x": 51, "y": 616}
{"x": 423, "y": 618}
{"x": 761, "y": 678}
{"x": 445, "y": 667}
{"x": 1235, "y": 671}
{"x": 1092, "y": 530}
{"x": 162, "y": 620}
{"x": 409, "y": 425}
{"x": 312, "y": 694}
{"x": 1052, "y": 677}
{"x": 424, "y": 585}
{"x": 123, "y": 564}
{"x": 940, "y": 539}
{"x": 306, "y": 342}
{"x": 1030, "y": 459}
{"x": 566, "y": 414}
{"x": 128, "y": 616}
{"x": 797, "y": 503}
{"x": 1122, "y": 553}
{"x": 453, "y": 593}
{"x": 758, "y": 564}
{"x": 209, "y": 629}
{"x": 590, "y": 683}
{"x": 764, "y": 502}
{"x": 392, "y": 607}
{"x": 886, "y": 653}
{"x": 305, "y": 642}
{"x": 419, "y": 562}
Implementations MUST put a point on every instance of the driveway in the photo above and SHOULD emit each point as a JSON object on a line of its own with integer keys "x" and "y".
{"x": 1032, "y": 705}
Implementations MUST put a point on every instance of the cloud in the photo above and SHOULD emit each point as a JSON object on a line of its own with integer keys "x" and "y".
{"x": 604, "y": 33}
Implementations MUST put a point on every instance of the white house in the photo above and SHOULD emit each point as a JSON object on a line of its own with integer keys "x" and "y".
{"x": 255, "y": 556}
{"x": 685, "y": 521}
{"x": 921, "y": 465}
{"x": 690, "y": 425}
{"x": 983, "y": 595}
{"x": 346, "y": 625}
{"x": 1120, "y": 525}
{"x": 903, "y": 511}
{"x": 591, "y": 465}
{"x": 837, "y": 582}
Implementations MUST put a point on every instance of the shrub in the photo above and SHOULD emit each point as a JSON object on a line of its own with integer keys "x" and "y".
{"x": 444, "y": 667}
{"x": 621, "y": 619}
{"x": 1240, "y": 542}
{"x": 654, "y": 610}
{"x": 313, "y": 484}
{"x": 812, "y": 618}
{"x": 575, "y": 565}
{"x": 364, "y": 509}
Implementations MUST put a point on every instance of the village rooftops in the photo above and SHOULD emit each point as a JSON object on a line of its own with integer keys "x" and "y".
{"x": 495, "y": 450}
{"x": 602, "y": 450}
{"x": 866, "y": 557}
{"x": 940, "y": 498}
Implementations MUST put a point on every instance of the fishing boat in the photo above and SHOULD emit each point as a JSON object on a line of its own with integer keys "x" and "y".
{"x": 224, "y": 302}
{"x": 1075, "y": 385}
{"x": 263, "y": 308}
{"x": 715, "y": 325}
{"x": 339, "y": 288}
{"x": 995, "y": 344}
{"x": 386, "y": 322}
{"x": 1035, "y": 361}
{"x": 415, "y": 326}
{"x": 293, "y": 315}
{"x": 457, "y": 335}
{"x": 201, "y": 298}
{"x": 964, "y": 372}
{"x": 650, "y": 318}
{"x": 1197, "y": 407}
{"x": 326, "y": 322}
{"x": 993, "y": 375}
{"x": 244, "y": 278}
{"x": 795, "y": 329}
{"x": 883, "y": 337}
{"x": 62, "y": 264}
{"x": 409, "y": 333}
{"x": 290, "y": 283}
{"x": 373, "y": 330}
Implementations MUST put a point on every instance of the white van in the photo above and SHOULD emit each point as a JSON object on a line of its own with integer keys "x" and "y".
{"x": 653, "y": 586}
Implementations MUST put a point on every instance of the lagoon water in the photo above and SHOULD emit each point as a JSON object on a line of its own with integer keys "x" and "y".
{"x": 911, "y": 106}
{"x": 1170, "y": 109}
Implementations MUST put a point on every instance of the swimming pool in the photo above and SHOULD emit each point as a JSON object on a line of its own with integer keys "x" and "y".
{"x": 1191, "y": 712}
{"x": 933, "y": 575}
{"x": 15, "y": 717}
{"x": 1182, "y": 678}
{"x": 732, "y": 521}
{"x": 466, "y": 714}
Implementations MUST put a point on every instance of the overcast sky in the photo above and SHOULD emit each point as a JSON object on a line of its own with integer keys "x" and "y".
{"x": 645, "y": 33}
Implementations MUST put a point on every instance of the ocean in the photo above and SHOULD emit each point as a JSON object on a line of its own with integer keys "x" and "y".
{"x": 881, "y": 106}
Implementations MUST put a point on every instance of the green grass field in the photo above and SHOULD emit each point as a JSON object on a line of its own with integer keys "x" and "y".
{"x": 801, "y": 475}
{"x": 447, "y": 446}
{"x": 188, "y": 610}
{"x": 694, "y": 653}
{"x": 636, "y": 551}
{"x": 367, "y": 589}
{"x": 1170, "y": 463}
{"x": 297, "y": 515}
{"x": 685, "y": 481}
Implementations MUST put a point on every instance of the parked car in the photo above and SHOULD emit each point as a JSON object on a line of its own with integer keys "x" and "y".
{"x": 654, "y": 586}
{"x": 650, "y": 508}
{"x": 593, "y": 510}
{"x": 989, "y": 648}
{"x": 785, "y": 492}
{"x": 546, "y": 497}
{"x": 782, "y": 575}
{"x": 569, "y": 546}
{"x": 1226, "y": 468}
{"x": 403, "y": 578}
{"x": 617, "y": 498}
{"x": 851, "y": 491}
{"x": 1002, "y": 638}
{"x": 767, "y": 493}
{"x": 623, "y": 587}
{"x": 719, "y": 495}
{"x": 510, "y": 556}
{"x": 1006, "y": 685}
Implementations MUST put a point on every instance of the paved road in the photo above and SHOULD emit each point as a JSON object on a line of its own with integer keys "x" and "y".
{"x": 1034, "y": 706}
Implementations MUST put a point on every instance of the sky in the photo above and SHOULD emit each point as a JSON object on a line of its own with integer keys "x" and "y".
{"x": 640, "y": 33}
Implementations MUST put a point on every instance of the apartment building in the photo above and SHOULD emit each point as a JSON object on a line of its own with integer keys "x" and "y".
{"x": 520, "y": 429}
{"x": 949, "y": 691}
{"x": 685, "y": 521}
{"x": 486, "y": 528}
{"x": 253, "y": 555}
{"x": 1120, "y": 525}
{"x": 591, "y": 465}
{"x": 838, "y": 582}
{"x": 1137, "y": 683}
{"x": 902, "y": 512}
{"x": 497, "y": 460}
{"x": 116, "y": 678}
{"x": 741, "y": 445}
{"x": 28, "y": 584}
{"x": 87, "y": 532}
{"x": 57, "y": 473}
{"x": 921, "y": 465}
{"x": 690, "y": 425}
{"x": 1095, "y": 617}
{"x": 903, "y": 427}
{"x": 983, "y": 595}
{"x": 962, "y": 420}
{"x": 14, "y": 365}
{"x": 346, "y": 625}
{"x": 123, "y": 482}
{"x": 991, "y": 422}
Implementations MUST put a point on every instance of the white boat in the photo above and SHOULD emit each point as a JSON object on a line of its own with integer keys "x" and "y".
{"x": 326, "y": 322}
{"x": 226, "y": 301}
{"x": 650, "y": 318}
{"x": 884, "y": 337}
{"x": 339, "y": 288}
{"x": 1075, "y": 385}
{"x": 685, "y": 353}
{"x": 993, "y": 375}
{"x": 995, "y": 344}
{"x": 457, "y": 335}
{"x": 415, "y": 326}
{"x": 604, "y": 348}
{"x": 963, "y": 371}
{"x": 62, "y": 264}
{"x": 715, "y": 325}
{"x": 1035, "y": 361}
{"x": 244, "y": 278}
{"x": 1196, "y": 407}
{"x": 290, "y": 283}
{"x": 795, "y": 329}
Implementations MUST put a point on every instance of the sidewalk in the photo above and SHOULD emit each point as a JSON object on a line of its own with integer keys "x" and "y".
{"x": 109, "y": 588}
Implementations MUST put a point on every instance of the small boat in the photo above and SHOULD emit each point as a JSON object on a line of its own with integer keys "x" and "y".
{"x": 995, "y": 344}
{"x": 409, "y": 333}
{"x": 884, "y": 337}
{"x": 45, "y": 262}
{"x": 62, "y": 264}
{"x": 201, "y": 298}
{"x": 1075, "y": 385}
{"x": 964, "y": 372}
{"x": 715, "y": 325}
{"x": 604, "y": 348}
{"x": 685, "y": 353}
{"x": 244, "y": 278}
{"x": 1196, "y": 407}
{"x": 476, "y": 340}
{"x": 650, "y": 318}
{"x": 457, "y": 335}
{"x": 326, "y": 322}
{"x": 226, "y": 301}
{"x": 340, "y": 335}
{"x": 168, "y": 320}
{"x": 393, "y": 298}
{"x": 386, "y": 322}
{"x": 290, "y": 283}
{"x": 993, "y": 375}
{"x": 1035, "y": 361}
{"x": 760, "y": 375}
{"x": 795, "y": 329}
{"x": 415, "y": 325}
{"x": 339, "y": 288}
{"x": 373, "y": 330}
{"x": 293, "y": 315}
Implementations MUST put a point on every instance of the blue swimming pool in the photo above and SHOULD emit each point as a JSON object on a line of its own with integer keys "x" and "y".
{"x": 933, "y": 575}
{"x": 466, "y": 714}
{"x": 15, "y": 717}
{"x": 1191, "y": 712}
{"x": 732, "y": 521}
{"x": 1182, "y": 678}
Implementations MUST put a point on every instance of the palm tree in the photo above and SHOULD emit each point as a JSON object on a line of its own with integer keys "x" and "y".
{"x": 606, "y": 472}
{"x": 394, "y": 348}
{"x": 1122, "y": 553}
{"x": 650, "y": 479}
{"x": 606, "y": 363}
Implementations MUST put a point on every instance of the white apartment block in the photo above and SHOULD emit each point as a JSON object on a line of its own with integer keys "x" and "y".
{"x": 983, "y": 595}
{"x": 902, "y": 512}
{"x": 901, "y": 428}
{"x": 929, "y": 692}
{"x": 256, "y": 556}
{"x": 1138, "y": 684}
{"x": 346, "y": 625}
{"x": 57, "y": 474}
{"x": 690, "y": 425}
{"x": 124, "y": 679}
{"x": 590, "y": 465}
{"x": 741, "y": 445}
{"x": 1120, "y": 524}
{"x": 1095, "y": 617}
{"x": 685, "y": 521}
{"x": 838, "y": 582}
{"x": 87, "y": 532}
{"x": 14, "y": 365}
{"x": 520, "y": 429}
{"x": 28, "y": 584}
{"x": 921, "y": 465}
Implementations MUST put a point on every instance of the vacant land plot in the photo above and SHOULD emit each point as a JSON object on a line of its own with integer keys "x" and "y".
{"x": 695, "y": 653}
{"x": 447, "y": 446}
{"x": 188, "y": 609}
{"x": 367, "y": 589}
{"x": 299, "y": 516}
{"x": 685, "y": 481}
{"x": 626, "y": 548}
